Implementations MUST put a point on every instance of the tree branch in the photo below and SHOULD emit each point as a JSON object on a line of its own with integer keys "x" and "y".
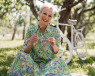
{"x": 83, "y": 11}
{"x": 89, "y": 19}
{"x": 1, "y": 16}
{"x": 90, "y": 24}
{"x": 32, "y": 7}
{"x": 76, "y": 12}
{"x": 53, "y": 4}
{"x": 41, "y": 1}
{"x": 74, "y": 4}
{"x": 92, "y": 14}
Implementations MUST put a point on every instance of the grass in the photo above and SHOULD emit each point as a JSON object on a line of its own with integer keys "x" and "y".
{"x": 8, "y": 50}
{"x": 87, "y": 66}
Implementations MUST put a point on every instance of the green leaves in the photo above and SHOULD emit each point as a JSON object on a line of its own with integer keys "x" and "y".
{"x": 20, "y": 20}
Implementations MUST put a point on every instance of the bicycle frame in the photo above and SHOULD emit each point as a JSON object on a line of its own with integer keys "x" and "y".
{"x": 73, "y": 32}
{"x": 71, "y": 23}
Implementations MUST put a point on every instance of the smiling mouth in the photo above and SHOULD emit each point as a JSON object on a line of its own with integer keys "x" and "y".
{"x": 44, "y": 20}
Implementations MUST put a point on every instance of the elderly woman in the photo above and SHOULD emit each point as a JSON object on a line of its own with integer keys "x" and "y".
{"x": 38, "y": 54}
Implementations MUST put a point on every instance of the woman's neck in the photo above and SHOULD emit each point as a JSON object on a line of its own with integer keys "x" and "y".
{"x": 42, "y": 27}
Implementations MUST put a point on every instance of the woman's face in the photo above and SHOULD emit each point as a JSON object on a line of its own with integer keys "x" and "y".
{"x": 45, "y": 16}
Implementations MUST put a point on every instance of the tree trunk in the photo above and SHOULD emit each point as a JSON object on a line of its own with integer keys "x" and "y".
{"x": 65, "y": 15}
{"x": 15, "y": 29}
{"x": 32, "y": 7}
{"x": 24, "y": 30}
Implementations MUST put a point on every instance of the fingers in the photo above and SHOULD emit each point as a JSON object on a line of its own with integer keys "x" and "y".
{"x": 52, "y": 41}
{"x": 34, "y": 38}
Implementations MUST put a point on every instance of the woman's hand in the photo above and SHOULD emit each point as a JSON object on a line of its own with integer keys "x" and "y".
{"x": 52, "y": 41}
{"x": 34, "y": 38}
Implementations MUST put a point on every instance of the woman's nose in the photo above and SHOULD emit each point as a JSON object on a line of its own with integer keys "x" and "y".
{"x": 46, "y": 16}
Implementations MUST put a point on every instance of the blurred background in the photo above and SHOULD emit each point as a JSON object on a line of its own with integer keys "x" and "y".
{"x": 16, "y": 16}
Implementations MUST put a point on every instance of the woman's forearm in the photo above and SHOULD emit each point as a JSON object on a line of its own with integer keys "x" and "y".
{"x": 33, "y": 39}
{"x": 28, "y": 48}
{"x": 55, "y": 49}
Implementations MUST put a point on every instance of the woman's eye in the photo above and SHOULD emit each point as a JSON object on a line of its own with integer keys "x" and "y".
{"x": 49, "y": 16}
{"x": 44, "y": 13}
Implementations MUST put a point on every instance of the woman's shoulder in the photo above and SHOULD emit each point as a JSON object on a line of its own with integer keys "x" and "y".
{"x": 53, "y": 28}
{"x": 31, "y": 29}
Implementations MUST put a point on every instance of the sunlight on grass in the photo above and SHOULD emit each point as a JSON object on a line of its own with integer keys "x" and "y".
{"x": 6, "y": 57}
{"x": 91, "y": 52}
{"x": 79, "y": 68}
{"x": 11, "y": 52}
{"x": 12, "y": 44}
{"x": 8, "y": 50}
{"x": 84, "y": 67}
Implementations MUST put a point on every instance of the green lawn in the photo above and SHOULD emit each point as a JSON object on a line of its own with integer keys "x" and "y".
{"x": 8, "y": 50}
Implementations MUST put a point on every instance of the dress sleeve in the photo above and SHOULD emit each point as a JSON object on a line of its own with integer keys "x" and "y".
{"x": 58, "y": 38}
{"x": 58, "y": 43}
{"x": 27, "y": 39}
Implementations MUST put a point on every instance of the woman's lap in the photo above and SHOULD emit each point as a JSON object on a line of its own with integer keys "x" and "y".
{"x": 23, "y": 64}
{"x": 56, "y": 67}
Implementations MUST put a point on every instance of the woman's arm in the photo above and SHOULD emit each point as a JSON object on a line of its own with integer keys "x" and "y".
{"x": 28, "y": 47}
{"x": 33, "y": 39}
{"x": 55, "y": 49}
{"x": 53, "y": 43}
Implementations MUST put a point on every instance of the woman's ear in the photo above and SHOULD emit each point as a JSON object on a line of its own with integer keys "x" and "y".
{"x": 39, "y": 14}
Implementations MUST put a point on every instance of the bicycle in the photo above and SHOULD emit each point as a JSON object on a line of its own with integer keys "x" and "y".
{"x": 67, "y": 46}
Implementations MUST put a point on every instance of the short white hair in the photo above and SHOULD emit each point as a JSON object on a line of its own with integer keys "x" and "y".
{"x": 48, "y": 5}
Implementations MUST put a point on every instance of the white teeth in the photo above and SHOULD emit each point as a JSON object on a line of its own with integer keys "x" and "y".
{"x": 45, "y": 20}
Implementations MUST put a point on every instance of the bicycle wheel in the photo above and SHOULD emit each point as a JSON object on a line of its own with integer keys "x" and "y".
{"x": 66, "y": 48}
{"x": 80, "y": 45}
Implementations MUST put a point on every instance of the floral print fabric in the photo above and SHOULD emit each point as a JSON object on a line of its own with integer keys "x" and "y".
{"x": 41, "y": 60}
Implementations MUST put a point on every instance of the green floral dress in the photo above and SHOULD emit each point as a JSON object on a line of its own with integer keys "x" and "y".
{"x": 41, "y": 60}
